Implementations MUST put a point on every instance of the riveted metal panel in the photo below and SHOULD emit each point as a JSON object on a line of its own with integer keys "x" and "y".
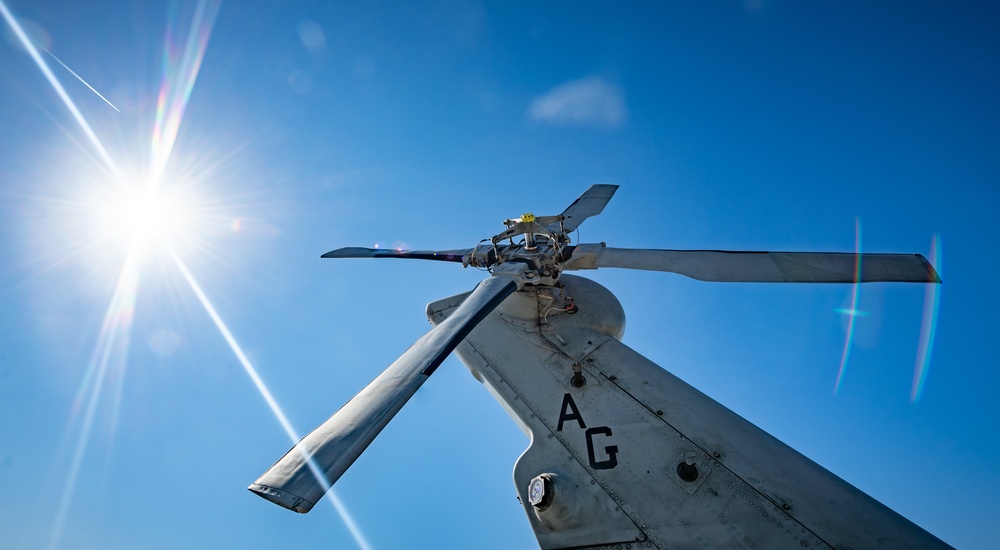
{"x": 616, "y": 443}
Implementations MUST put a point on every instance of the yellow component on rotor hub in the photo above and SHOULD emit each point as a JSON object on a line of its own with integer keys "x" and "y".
{"x": 528, "y": 217}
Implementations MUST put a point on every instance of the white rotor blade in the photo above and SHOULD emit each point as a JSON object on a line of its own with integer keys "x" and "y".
{"x": 761, "y": 267}
{"x": 301, "y": 477}
{"x": 590, "y": 203}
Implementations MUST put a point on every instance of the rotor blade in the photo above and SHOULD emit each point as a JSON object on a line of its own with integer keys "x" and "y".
{"x": 590, "y": 203}
{"x": 761, "y": 267}
{"x": 316, "y": 462}
{"x": 358, "y": 252}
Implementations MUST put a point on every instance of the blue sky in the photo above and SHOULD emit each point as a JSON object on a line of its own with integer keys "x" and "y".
{"x": 127, "y": 419}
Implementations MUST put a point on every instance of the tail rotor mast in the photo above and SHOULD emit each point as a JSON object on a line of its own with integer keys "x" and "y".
{"x": 544, "y": 260}
{"x": 537, "y": 259}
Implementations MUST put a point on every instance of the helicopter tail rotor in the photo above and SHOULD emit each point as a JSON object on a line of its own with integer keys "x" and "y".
{"x": 557, "y": 228}
{"x": 304, "y": 474}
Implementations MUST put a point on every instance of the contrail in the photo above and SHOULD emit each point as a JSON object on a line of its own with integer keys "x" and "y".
{"x": 78, "y": 77}
{"x": 28, "y": 45}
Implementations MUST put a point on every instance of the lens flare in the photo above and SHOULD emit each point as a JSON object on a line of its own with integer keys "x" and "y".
{"x": 293, "y": 436}
{"x": 109, "y": 352}
{"x": 180, "y": 71}
{"x": 139, "y": 211}
{"x": 851, "y": 312}
{"x": 928, "y": 327}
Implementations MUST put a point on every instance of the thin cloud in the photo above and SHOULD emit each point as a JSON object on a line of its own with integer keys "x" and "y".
{"x": 586, "y": 102}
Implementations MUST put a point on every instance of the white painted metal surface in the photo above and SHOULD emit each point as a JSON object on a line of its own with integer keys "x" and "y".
{"x": 610, "y": 449}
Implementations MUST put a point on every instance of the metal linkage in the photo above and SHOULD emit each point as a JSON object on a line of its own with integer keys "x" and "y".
{"x": 542, "y": 258}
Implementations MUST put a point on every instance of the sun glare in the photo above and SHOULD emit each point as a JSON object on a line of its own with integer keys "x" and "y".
{"x": 159, "y": 209}
{"x": 145, "y": 217}
{"x": 147, "y": 214}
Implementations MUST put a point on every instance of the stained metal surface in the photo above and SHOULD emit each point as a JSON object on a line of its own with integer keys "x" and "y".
{"x": 615, "y": 443}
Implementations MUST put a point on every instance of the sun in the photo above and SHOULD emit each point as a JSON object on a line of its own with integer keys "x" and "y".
{"x": 146, "y": 216}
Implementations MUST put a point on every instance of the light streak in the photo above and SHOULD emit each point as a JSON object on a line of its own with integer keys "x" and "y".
{"x": 928, "y": 327}
{"x": 28, "y": 45}
{"x": 116, "y": 327}
{"x": 180, "y": 71}
{"x": 293, "y": 436}
{"x": 113, "y": 340}
{"x": 852, "y": 311}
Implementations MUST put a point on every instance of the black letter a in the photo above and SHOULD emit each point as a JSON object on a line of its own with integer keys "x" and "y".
{"x": 565, "y": 415}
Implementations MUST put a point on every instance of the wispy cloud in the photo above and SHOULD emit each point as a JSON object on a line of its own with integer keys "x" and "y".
{"x": 586, "y": 102}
